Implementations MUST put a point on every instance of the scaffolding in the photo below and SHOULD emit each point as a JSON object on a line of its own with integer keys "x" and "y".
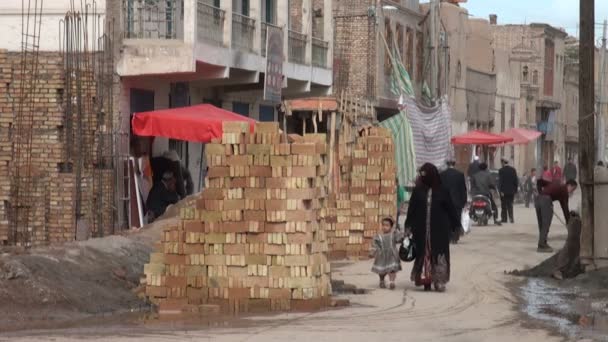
{"x": 22, "y": 177}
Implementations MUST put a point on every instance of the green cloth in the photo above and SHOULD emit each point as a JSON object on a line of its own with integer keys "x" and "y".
{"x": 400, "y": 195}
{"x": 405, "y": 156}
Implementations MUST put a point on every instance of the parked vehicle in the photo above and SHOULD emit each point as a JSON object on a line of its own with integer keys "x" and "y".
{"x": 481, "y": 210}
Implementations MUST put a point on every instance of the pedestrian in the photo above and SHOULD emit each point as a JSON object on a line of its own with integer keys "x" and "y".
{"x": 170, "y": 161}
{"x": 530, "y": 188}
{"x": 161, "y": 196}
{"x": 556, "y": 173}
{"x": 548, "y": 193}
{"x": 508, "y": 184}
{"x": 483, "y": 184}
{"x": 454, "y": 181}
{"x": 386, "y": 254}
{"x": 570, "y": 170}
{"x": 473, "y": 167}
{"x": 431, "y": 217}
{"x": 547, "y": 176}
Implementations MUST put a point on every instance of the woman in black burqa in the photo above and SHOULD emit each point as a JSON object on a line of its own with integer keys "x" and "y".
{"x": 431, "y": 217}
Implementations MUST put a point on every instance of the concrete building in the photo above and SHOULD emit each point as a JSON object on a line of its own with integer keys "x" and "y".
{"x": 362, "y": 66}
{"x": 186, "y": 52}
{"x": 540, "y": 48}
{"x": 54, "y": 11}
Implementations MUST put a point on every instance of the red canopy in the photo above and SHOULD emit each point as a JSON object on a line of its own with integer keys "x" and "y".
{"x": 479, "y": 138}
{"x": 200, "y": 123}
{"x": 521, "y": 136}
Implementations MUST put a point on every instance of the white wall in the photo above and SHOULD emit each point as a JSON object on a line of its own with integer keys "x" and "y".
{"x": 53, "y": 11}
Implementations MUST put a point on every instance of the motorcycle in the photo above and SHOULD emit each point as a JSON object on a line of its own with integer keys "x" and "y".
{"x": 481, "y": 210}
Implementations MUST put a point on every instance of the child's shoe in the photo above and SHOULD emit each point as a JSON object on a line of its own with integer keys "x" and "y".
{"x": 382, "y": 284}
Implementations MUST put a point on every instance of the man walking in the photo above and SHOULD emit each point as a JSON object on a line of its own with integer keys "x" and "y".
{"x": 482, "y": 183}
{"x": 570, "y": 170}
{"x": 548, "y": 193}
{"x": 455, "y": 182}
{"x": 508, "y": 183}
{"x": 530, "y": 188}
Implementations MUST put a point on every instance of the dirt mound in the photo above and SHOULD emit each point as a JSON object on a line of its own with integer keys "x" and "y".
{"x": 543, "y": 270}
{"x": 44, "y": 286}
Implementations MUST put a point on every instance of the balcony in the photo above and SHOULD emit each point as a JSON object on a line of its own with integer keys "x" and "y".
{"x": 210, "y": 22}
{"x": 320, "y": 48}
{"x": 297, "y": 47}
{"x": 243, "y": 29}
{"x": 149, "y": 19}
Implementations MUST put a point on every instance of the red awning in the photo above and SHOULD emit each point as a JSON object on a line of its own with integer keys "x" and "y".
{"x": 479, "y": 138}
{"x": 200, "y": 123}
{"x": 521, "y": 136}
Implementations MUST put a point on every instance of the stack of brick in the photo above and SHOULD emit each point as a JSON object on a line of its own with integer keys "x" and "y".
{"x": 367, "y": 193}
{"x": 254, "y": 239}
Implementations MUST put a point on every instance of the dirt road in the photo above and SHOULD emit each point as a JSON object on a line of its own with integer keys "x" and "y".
{"x": 478, "y": 306}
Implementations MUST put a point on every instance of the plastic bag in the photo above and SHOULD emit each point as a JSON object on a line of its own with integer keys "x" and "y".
{"x": 465, "y": 221}
{"x": 407, "y": 251}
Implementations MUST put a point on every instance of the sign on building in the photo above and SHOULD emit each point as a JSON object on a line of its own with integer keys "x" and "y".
{"x": 273, "y": 80}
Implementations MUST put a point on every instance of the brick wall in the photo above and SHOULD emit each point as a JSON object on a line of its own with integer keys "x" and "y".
{"x": 46, "y": 211}
{"x": 355, "y": 61}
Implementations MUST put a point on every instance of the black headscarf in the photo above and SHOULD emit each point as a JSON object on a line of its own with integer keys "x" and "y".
{"x": 429, "y": 176}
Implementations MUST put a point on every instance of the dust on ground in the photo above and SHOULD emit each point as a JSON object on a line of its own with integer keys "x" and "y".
{"x": 48, "y": 286}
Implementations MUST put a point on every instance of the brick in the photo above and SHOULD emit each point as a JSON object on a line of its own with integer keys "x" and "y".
{"x": 255, "y": 193}
{"x": 275, "y": 227}
{"x": 174, "y": 259}
{"x": 303, "y": 148}
{"x": 267, "y": 127}
{"x": 279, "y": 293}
{"x": 304, "y": 171}
{"x": 254, "y": 215}
{"x": 296, "y": 260}
{"x": 176, "y": 281}
{"x": 260, "y": 171}
{"x": 233, "y": 227}
{"x": 301, "y": 194}
{"x": 237, "y": 272}
{"x": 276, "y": 205}
{"x": 271, "y": 249}
{"x": 215, "y": 149}
{"x": 235, "y": 249}
{"x": 256, "y": 260}
{"x": 212, "y": 193}
{"x": 218, "y": 171}
{"x": 194, "y": 226}
{"x": 194, "y": 248}
{"x": 241, "y": 160}
{"x": 235, "y": 204}
{"x": 156, "y": 291}
{"x": 258, "y": 149}
{"x": 276, "y": 161}
{"x": 278, "y": 272}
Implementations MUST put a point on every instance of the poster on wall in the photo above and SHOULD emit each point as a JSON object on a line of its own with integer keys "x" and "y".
{"x": 273, "y": 79}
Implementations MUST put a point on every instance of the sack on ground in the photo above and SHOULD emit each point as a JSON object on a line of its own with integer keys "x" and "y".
{"x": 407, "y": 251}
{"x": 465, "y": 221}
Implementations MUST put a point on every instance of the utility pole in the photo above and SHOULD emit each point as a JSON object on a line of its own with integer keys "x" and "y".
{"x": 586, "y": 125}
{"x": 601, "y": 131}
{"x": 434, "y": 51}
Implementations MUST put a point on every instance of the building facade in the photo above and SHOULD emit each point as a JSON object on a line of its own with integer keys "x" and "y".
{"x": 540, "y": 49}
{"x": 214, "y": 51}
{"x": 365, "y": 31}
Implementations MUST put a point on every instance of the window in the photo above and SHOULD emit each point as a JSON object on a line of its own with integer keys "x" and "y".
{"x": 388, "y": 34}
{"x": 240, "y": 7}
{"x": 269, "y": 11}
{"x": 409, "y": 55}
{"x": 266, "y": 113}
{"x": 240, "y": 108}
{"x": 549, "y": 67}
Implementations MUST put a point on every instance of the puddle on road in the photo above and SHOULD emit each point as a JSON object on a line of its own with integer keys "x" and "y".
{"x": 572, "y": 312}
